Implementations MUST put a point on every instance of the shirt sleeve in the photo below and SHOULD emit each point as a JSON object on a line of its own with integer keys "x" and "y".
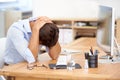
{"x": 47, "y": 49}
{"x": 21, "y": 45}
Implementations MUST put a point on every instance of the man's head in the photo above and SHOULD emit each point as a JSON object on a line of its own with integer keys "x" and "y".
{"x": 49, "y": 34}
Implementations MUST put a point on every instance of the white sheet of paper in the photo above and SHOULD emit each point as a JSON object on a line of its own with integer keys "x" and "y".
{"x": 62, "y": 60}
{"x": 71, "y": 51}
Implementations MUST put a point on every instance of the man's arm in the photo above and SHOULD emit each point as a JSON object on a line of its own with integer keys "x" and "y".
{"x": 55, "y": 51}
{"x": 34, "y": 43}
{"x": 34, "y": 40}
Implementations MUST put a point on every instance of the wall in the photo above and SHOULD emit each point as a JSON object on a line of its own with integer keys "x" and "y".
{"x": 65, "y": 8}
{"x": 72, "y": 8}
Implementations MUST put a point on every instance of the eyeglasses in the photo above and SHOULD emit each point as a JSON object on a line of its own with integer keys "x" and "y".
{"x": 31, "y": 66}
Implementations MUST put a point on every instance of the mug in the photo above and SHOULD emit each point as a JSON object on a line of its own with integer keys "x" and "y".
{"x": 93, "y": 61}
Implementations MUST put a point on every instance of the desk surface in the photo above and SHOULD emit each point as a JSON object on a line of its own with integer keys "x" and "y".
{"x": 103, "y": 72}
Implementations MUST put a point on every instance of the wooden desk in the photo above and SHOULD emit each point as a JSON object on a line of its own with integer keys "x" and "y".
{"x": 103, "y": 72}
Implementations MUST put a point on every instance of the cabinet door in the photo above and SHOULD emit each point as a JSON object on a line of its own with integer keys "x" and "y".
{"x": 61, "y": 36}
{"x": 11, "y": 17}
{"x": 65, "y": 36}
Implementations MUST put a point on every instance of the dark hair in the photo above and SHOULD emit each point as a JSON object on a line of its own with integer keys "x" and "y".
{"x": 48, "y": 34}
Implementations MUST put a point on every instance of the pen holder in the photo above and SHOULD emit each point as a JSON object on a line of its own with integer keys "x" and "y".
{"x": 93, "y": 61}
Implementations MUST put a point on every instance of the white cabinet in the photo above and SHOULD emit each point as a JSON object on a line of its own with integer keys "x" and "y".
{"x": 79, "y": 27}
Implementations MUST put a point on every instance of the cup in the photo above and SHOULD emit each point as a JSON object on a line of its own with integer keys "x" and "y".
{"x": 71, "y": 64}
{"x": 93, "y": 61}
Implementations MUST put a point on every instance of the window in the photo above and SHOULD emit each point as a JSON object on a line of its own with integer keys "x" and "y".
{"x": 2, "y": 1}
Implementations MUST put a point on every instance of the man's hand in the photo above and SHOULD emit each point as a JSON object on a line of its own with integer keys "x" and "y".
{"x": 38, "y": 24}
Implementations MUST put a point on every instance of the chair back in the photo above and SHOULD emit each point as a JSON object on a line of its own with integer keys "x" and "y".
{"x": 2, "y": 49}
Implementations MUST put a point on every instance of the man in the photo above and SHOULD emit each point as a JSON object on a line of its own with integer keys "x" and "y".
{"x": 26, "y": 36}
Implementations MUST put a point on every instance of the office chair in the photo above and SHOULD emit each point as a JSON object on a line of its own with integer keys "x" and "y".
{"x": 2, "y": 49}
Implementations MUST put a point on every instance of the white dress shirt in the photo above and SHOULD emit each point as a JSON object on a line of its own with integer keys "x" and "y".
{"x": 18, "y": 37}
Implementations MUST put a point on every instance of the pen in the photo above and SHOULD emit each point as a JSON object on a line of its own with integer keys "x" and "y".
{"x": 91, "y": 50}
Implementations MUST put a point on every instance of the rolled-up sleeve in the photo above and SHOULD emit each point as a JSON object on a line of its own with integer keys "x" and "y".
{"x": 28, "y": 56}
{"x": 21, "y": 44}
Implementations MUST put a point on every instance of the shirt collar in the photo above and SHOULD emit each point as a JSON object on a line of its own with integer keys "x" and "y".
{"x": 26, "y": 25}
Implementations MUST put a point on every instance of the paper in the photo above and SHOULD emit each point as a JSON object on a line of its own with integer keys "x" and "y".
{"x": 71, "y": 51}
{"x": 62, "y": 60}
